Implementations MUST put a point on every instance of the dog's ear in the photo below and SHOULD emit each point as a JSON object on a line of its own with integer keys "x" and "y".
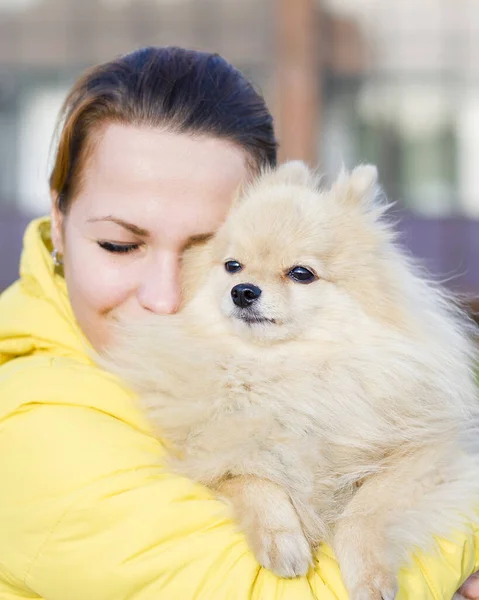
{"x": 364, "y": 181}
{"x": 245, "y": 186}
{"x": 239, "y": 194}
{"x": 358, "y": 187}
{"x": 293, "y": 172}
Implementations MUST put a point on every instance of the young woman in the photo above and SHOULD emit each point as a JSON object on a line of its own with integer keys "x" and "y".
{"x": 153, "y": 147}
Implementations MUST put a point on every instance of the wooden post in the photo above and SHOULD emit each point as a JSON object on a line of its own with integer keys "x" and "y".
{"x": 298, "y": 81}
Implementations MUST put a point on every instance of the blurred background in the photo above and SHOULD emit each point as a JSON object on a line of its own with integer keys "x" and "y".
{"x": 393, "y": 82}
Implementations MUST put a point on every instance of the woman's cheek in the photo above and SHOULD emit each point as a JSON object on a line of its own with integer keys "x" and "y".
{"x": 105, "y": 285}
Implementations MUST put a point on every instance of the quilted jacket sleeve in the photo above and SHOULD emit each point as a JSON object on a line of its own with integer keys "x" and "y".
{"x": 88, "y": 512}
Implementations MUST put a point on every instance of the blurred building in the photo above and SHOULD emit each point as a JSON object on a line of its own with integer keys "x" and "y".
{"x": 394, "y": 83}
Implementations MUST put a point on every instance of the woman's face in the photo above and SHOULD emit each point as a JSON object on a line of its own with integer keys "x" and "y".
{"x": 146, "y": 195}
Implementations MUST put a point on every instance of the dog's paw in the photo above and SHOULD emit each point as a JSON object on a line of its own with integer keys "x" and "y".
{"x": 285, "y": 553}
{"x": 271, "y": 524}
{"x": 381, "y": 586}
{"x": 367, "y": 568}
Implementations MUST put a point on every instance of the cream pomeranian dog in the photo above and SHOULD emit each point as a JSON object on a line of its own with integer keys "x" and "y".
{"x": 316, "y": 381}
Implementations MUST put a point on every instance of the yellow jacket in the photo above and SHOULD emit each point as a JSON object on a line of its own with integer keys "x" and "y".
{"x": 86, "y": 510}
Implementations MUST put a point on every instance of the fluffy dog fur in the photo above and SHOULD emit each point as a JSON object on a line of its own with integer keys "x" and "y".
{"x": 342, "y": 410}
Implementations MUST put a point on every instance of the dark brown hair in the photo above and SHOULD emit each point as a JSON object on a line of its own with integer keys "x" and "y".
{"x": 180, "y": 90}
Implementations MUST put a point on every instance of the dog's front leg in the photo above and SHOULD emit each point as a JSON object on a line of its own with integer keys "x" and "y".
{"x": 418, "y": 495}
{"x": 366, "y": 553}
{"x": 363, "y": 556}
{"x": 270, "y": 522}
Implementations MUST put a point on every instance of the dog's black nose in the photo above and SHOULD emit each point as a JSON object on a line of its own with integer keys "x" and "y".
{"x": 244, "y": 294}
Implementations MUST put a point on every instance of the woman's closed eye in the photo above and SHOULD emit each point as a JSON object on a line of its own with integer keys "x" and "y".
{"x": 118, "y": 248}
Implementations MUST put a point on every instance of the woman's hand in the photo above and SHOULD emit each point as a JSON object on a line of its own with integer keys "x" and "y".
{"x": 470, "y": 588}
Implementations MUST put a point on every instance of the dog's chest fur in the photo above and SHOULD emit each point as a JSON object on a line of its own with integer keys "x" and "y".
{"x": 275, "y": 414}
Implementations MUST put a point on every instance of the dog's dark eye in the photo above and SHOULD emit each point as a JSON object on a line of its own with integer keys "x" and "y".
{"x": 233, "y": 266}
{"x": 302, "y": 275}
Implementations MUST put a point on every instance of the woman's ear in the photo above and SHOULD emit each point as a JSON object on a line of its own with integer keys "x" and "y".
{"x": 56, "y": 223}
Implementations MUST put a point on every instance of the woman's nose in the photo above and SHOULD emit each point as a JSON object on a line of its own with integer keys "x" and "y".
{"x": 159, "y": 291}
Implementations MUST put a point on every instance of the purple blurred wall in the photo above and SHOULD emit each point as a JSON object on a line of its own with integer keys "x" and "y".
{"x": 449, "y": 249}
{"x": 12, "y": 227}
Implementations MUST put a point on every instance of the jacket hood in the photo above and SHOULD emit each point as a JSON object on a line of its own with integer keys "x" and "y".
{"x": 35, "y": 313}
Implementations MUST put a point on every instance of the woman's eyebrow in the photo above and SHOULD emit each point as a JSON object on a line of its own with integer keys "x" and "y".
{"x": 139, "y": 231}
{"x": 200, "y": 237}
